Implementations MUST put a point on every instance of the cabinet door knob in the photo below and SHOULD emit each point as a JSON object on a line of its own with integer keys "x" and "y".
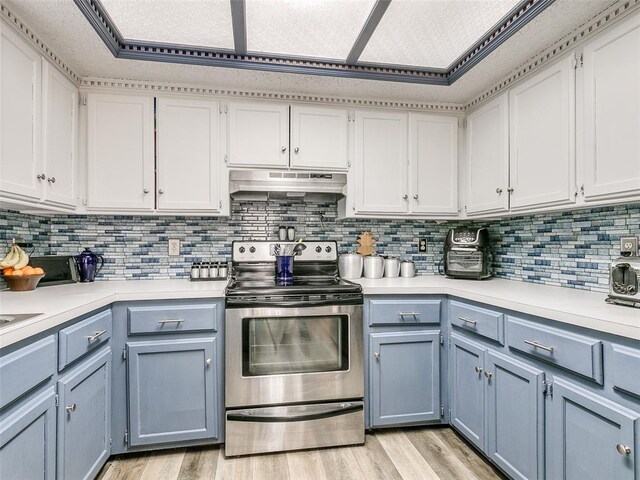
{"x": 208, "y": 362}
{"x": 510, "y": 189}
{"x": 623, "y": 449}
{"x": 284, "y": 149}
{"x": 41, "y": 177}
{"x": 160, "y": 192}
{"x": 415, "y": 197}
{"x": 405, "y": 197}
{"x": 145, "y": 190}
{"x": 499, "y": 191}
{"x": 70, "y": 408}
{"x": 376, "y": 355}
{"x": 478, "y": 369}
{"x": 51, "y": 179}
{"x": 488, "y": 374}
{"x": 297, "y": 149}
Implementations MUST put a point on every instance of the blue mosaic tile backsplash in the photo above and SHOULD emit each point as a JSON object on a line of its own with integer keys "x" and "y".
{"x": 571, "y": 249}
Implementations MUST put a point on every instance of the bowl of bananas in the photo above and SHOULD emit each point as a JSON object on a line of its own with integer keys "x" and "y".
{"x": 16, "y": 271}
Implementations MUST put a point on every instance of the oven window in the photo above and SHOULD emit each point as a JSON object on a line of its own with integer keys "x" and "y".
{"x": 301, "y": 344}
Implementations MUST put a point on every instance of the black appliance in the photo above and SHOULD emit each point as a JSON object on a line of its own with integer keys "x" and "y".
{"x": 467, "y": 254}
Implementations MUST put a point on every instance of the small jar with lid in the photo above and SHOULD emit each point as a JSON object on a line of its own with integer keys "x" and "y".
{"x": 223, "y": 270}
{"x": 213, "y": 270}
{"x": 195, "y": 270}
{"x": 204, "y": 270}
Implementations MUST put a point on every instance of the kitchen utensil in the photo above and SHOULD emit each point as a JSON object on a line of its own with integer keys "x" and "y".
{"x": 407, "y": 269}
{"x": 299, "y": 247}
{"x": 350, "y": 265}
{"x": 373, "y": 266}
{"x": 366, "y": 241}
{"x": 22, "y": 284}
{"x": 392, "y": 267}
{"x": 284, "y": 269}
{"x": 87, "y": 263}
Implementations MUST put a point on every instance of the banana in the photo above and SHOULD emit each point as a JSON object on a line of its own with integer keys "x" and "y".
{"x": 13, "y": 258}
{"x": 23, "y": 259}
{"x": 6, "y": 258}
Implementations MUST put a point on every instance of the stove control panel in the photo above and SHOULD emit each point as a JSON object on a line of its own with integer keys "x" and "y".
{"x": 265, "y": 251}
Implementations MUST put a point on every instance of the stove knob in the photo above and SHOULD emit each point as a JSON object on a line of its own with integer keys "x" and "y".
{"x": 318, "y": 249}
{"x": 241, "y": 249}
{"x": 328, "y": 249}
{"x": 252, "y": 250}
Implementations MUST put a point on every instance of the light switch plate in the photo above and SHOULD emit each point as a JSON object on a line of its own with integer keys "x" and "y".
{"x": 174, "y": 247}
{"x": 628, "y": 246}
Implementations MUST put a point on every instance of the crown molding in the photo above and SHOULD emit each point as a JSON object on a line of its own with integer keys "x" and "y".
{"x": 570, "y": 41}
{"x": 28, "y": 34}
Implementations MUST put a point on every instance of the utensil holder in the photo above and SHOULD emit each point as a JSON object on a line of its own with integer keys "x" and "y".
{"x": 284, "y": 269}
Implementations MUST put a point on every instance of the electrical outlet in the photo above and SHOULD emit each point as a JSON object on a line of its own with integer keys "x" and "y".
{"x": 174, "y": 247}
{"x": 628, "y": 246}
{"x": 422, "y": 245}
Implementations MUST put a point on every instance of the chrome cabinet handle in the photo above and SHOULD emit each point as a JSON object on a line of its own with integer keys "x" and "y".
{"x": 145, "y": 190}
{"x": 468, "y": 320}
{"x": 535, "y": 344}
{"x": 499, "y": 191}
{"x": 409, "y": 314}
{"x": 404, "y": 197}
{"x": 376, "y": 355}
{"x": 415, "y": 197}
{"x": 297, "y": 149}
{"x": 177, "y": 320}
{"x": 478, "y": 370}
{"x": 70, "y": 408}
{"x": 161, "y": 191}
{"x": 41, "y": 177}
{"x": 51, "y": 179}
{"x": 208, "y": 362}
{"x": 488, "y": 374}
{"x": 623, "y": 449}
{"x": 91, "y": 338}
{"x": 284, "y": 149}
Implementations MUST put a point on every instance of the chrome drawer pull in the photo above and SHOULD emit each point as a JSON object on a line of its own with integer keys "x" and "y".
{"x": 91, "y": 338}
{"x": 409, "y": 314}
{"x": 177, "y": 320}
{"x": 468, "y": 320}
{"x": 535, "y": 344}
{"x": 623, "y": 449}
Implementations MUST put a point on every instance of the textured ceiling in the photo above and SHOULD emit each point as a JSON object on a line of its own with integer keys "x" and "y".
{"x": 61, "y": 25}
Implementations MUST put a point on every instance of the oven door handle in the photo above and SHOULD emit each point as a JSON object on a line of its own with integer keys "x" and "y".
{"x": 329, "y": 412}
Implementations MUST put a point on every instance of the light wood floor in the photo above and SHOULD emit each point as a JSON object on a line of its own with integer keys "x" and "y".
{"x": 412, "y": 453}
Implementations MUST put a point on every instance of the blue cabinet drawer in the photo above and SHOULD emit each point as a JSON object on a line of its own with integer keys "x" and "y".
{"x": 625, "y": 368}
{"x": 172, "y": 318}
{"x": 26, "y": 368}
{"x": 573, "y": 352}
{"x": 481, "y": 321}
{"x": 83, "y": 337}
{"x": 394, "y": 311}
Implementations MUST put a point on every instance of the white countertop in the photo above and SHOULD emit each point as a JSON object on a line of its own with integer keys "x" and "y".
{"x": 61, "y": 303}
{"x": 567, "y": 305}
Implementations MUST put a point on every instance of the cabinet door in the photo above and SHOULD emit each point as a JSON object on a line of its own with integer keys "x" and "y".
{"x": 467, "y": 389}
{"x": 84, "y": 418}
{"x": 171, "y": 391}
{"x": 515, "y": 416}
{"x": 611, "y": 144}
{"x": 588, "y": 436}
{"x": 488, "y": 158}
{"x": 542, "y": 136}
{"x": 381, "y": 162}
{"x": 20, "y": 117}
{"x": 59, "y": 137}
{"x": 28, "y": 440}
{"x": 319, "y": 138}
{"x": 258, "y": 134}
{"x": 188, "y": 154}
{"x": 433, "y": 155}
{"x": 120, "y": 151}
{"x": 405, "y": 377}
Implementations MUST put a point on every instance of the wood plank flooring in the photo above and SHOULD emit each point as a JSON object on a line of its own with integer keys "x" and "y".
{"x": 429, "y": 453}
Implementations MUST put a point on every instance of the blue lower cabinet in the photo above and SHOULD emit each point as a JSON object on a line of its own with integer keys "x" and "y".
{"x": 172, "y": 391}
{"x": 27, "y": 440}
{"x": 466, "y": 389}
{"x": 405, "y": 377}
{"x": 84, "y": 418}
{"x": 515, "y": 416}
{"x": 590, "y": 437}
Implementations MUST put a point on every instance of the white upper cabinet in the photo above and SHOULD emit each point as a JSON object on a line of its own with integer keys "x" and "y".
{"x": 258, "y": 134}
{"x": 542, "y": 138}
{"x": 21, "y": 172}
{"x": 433, "y": 158}
{"x": 120, "y": 152}
{"x": 60, "y": 103}
{"x": 188, "y": 154}
{"x": 319, "y": 138}
{"x": 381, "y": 162}
{"x": 611, "y": 106}
{"x": 488, "y": 158}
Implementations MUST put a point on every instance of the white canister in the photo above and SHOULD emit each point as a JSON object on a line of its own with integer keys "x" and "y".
{"x": 373, "y": 266}
{"x": 407, "y": 269}
{"x": 391, "y": 267}
{"x": 350, "y": 265}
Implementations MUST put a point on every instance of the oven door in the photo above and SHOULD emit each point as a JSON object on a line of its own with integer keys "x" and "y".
{"x": 279, "y": 355}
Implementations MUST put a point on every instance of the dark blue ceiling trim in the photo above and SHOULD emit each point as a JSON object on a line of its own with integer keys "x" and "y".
{"x": 239, "y": 22}
{"x": 377, "y": 12}
{"x": 170, "y": 53}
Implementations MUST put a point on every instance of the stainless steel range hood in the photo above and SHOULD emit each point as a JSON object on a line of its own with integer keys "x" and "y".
{"x": 258, "y": 185}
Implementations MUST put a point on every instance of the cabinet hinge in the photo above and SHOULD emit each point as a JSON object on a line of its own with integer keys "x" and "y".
{"x": 582, "y": 60}
{"x": 547, "y": 388}
{"x": 220, "y": 109}
{"x": 226, "y": 109}
{"x": 462, "y": 123}
{"x": 582, "y": 189}
{"x": 441, "y": 411}
{"x": 56, "y": 400}
{"x": 449, "y": 342}
{"x": 220, "y": 204}
{"x": 575, "y": 190}
{"x": 124, "y": 353}
{"x": 226, "y": 159}
{"x": 126, "y": 436}
{"x": 82, "y": 100}
{"x": 84, "y": 201}
{"x": 348, "y": 163}
{"x": 441, "y": 339}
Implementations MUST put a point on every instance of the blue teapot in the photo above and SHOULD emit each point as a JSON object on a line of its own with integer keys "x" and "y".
{"x": 87, "y": 263}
